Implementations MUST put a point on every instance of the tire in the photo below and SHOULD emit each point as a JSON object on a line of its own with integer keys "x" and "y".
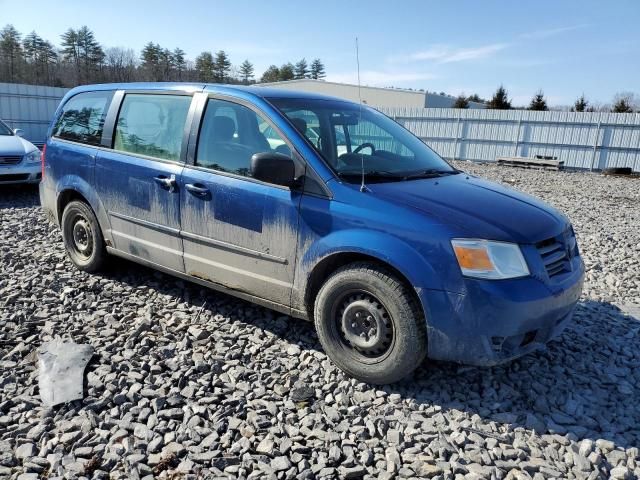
{"x": 618, "y": 171}
{"x": 82, "y": 237}
{"x": 383, "y": 344}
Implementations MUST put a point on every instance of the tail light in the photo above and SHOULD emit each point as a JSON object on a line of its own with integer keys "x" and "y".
{"x": 44, "y": 151}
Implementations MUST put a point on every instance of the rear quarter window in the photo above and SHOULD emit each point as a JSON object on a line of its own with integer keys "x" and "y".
{"x": 82, "y": 117}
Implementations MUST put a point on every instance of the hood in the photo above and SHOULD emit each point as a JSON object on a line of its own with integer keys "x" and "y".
{"x": 14, "y": 145}
{"x": 478, "y": 208}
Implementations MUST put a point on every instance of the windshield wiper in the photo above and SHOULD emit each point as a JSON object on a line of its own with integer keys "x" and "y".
{"x": 430, "y": 173}
{"x": 371, "y": 174}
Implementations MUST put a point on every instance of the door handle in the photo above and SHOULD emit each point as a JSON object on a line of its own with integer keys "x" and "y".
{"x": 166, "y": 182}
{"x": 196, "y": 190}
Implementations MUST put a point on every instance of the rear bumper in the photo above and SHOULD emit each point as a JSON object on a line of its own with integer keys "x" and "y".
{"x": 29, "y": 173}
{"x": 496, "y": 321}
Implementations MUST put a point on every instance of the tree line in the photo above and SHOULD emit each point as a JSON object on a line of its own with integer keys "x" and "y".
{"x": 81, "y": 59}
{"x": 624, "y": 102}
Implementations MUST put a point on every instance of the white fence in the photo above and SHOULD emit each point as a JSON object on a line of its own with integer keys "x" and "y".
{"x": 590, "y": 140}
{"x": 30, "y": 108}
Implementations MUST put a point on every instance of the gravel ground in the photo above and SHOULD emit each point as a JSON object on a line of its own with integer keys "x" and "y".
{"x": 189, "y": 383}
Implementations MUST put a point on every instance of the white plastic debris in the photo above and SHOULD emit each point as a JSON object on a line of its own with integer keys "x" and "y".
{"x": 61, "y": 365}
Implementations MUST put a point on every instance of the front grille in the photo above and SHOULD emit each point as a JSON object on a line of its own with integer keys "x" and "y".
{"x": 10, "y": 160}
{"x": 557, "y": 252}
{"x": 18, "y": 177}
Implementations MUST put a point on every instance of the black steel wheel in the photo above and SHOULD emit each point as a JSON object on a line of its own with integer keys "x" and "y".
{"x": 82, "y": 236}
{"x": 363, "y": 323}
{"x": 370, "y": 323}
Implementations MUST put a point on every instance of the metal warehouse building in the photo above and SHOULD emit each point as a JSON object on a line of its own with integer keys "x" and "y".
{"x": 374, "y": 96}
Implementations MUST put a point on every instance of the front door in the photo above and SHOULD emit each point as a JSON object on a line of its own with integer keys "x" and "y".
{"x": 138, "y": 180}
{"x": 237, "y": 231}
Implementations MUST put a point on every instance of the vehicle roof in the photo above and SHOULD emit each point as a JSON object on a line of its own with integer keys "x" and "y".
{"x": 257, "y": 91}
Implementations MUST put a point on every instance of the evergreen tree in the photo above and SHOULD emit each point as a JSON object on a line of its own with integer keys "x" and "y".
{"x": 221, "y": 67}
{"x": 11, "y": 55}
{"x": 246, "y": 72}
{"x": 476, "y": 98}
{"x": 205, "y": 67}
{"x": 317, "y": 69}
{"x": 178, "y": 59}
{"x": 301, "y": 70}
{"x": 270, "y": 75}
{"x": 80, "y": 48}
{"x": 150, "y": 57}
{"x": 580, "y": 105}
{"x": 500, "y": 100}
{"x": 71, "y": 51}
{"x": 622, "y": 105}
{"x": 91, "y": 54}
{"x": 166, "y": 64}
{"x": 461, "y": 102}
{"x": 287, "y": 72}
{"x": 538, "y": 102}
{"x": 31, "y": 47}
{"x": 40, "y": 57}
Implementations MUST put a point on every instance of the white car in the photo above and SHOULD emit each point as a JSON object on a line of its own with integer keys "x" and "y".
{"x": 19, "y": 159}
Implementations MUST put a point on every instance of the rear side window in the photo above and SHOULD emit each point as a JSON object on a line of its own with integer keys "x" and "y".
{"x": 152, "y": 125}
{"x": 82, "y": 117}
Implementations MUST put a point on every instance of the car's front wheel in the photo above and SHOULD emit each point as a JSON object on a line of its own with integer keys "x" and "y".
{"x": 82, "y": 237}
{"x": 370, "y": 324}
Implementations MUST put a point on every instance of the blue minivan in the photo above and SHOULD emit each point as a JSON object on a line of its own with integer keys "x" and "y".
{"x": 315, "y": 207}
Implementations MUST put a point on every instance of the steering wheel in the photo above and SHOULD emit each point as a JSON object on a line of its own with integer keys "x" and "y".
{"x": 365, "y": 145}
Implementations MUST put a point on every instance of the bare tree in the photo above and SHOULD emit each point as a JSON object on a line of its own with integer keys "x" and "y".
{"x": 120, "y": 64}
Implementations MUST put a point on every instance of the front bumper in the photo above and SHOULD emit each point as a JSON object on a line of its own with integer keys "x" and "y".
{"x": 496, "y": 321}
{"x": 20, "y": 173}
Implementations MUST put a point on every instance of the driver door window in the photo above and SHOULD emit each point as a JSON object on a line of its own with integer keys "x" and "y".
{"x": 230, "y": 135}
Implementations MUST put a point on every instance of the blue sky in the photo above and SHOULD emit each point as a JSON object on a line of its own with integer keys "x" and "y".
{"x": 564, "y": 47}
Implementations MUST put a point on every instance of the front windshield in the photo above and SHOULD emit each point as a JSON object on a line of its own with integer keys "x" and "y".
{"x": 348, "y": 136}
{"x": 4, "y": 129}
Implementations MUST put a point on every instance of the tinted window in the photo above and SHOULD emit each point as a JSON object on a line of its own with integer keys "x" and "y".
{"x": 152, "y": 125}
{"x": 231, "y": 134}
{"x": 82, "y": 117}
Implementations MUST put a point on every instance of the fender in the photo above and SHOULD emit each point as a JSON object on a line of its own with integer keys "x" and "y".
{"x": 380, "y": 245}
{"x": 77, "y": 184}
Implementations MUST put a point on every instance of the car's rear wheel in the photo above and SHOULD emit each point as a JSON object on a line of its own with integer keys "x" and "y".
{"x": 82, "y": 237}
{"x": 370, "y": 323}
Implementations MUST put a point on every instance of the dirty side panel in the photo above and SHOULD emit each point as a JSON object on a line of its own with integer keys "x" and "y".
{"x": 241, "y": 234}
{"x": 144, "y": 215}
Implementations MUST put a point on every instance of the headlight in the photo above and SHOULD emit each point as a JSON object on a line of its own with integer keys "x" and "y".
{"x": 491, "y": 260}
{"x": 33, "y": 157}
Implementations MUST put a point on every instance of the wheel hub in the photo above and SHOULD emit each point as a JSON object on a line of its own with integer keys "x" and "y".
{"x": 365, "y": 325}
{"x": 82, "y": 238}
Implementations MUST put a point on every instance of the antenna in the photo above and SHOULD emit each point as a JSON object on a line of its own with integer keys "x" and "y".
{"x": 363, "y": 187}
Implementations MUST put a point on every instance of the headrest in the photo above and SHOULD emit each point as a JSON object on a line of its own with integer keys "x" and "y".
{"x": 223, "y": 128}
{"x": 300, "y": 124}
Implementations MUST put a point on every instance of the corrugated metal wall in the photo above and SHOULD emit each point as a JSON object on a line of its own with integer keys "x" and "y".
{"x": 583, "y": 140}
{"x": 590, "y": 140}
{"x": 29, "y": 107}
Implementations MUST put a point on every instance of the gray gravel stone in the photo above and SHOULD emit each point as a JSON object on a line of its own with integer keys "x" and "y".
{"x": 184, "y": 374}
{"x": 279, "y": 464}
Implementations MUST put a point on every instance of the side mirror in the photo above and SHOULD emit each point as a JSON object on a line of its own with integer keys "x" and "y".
{"x": 18, "y": 132}
{"x": 274, "y": 168}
